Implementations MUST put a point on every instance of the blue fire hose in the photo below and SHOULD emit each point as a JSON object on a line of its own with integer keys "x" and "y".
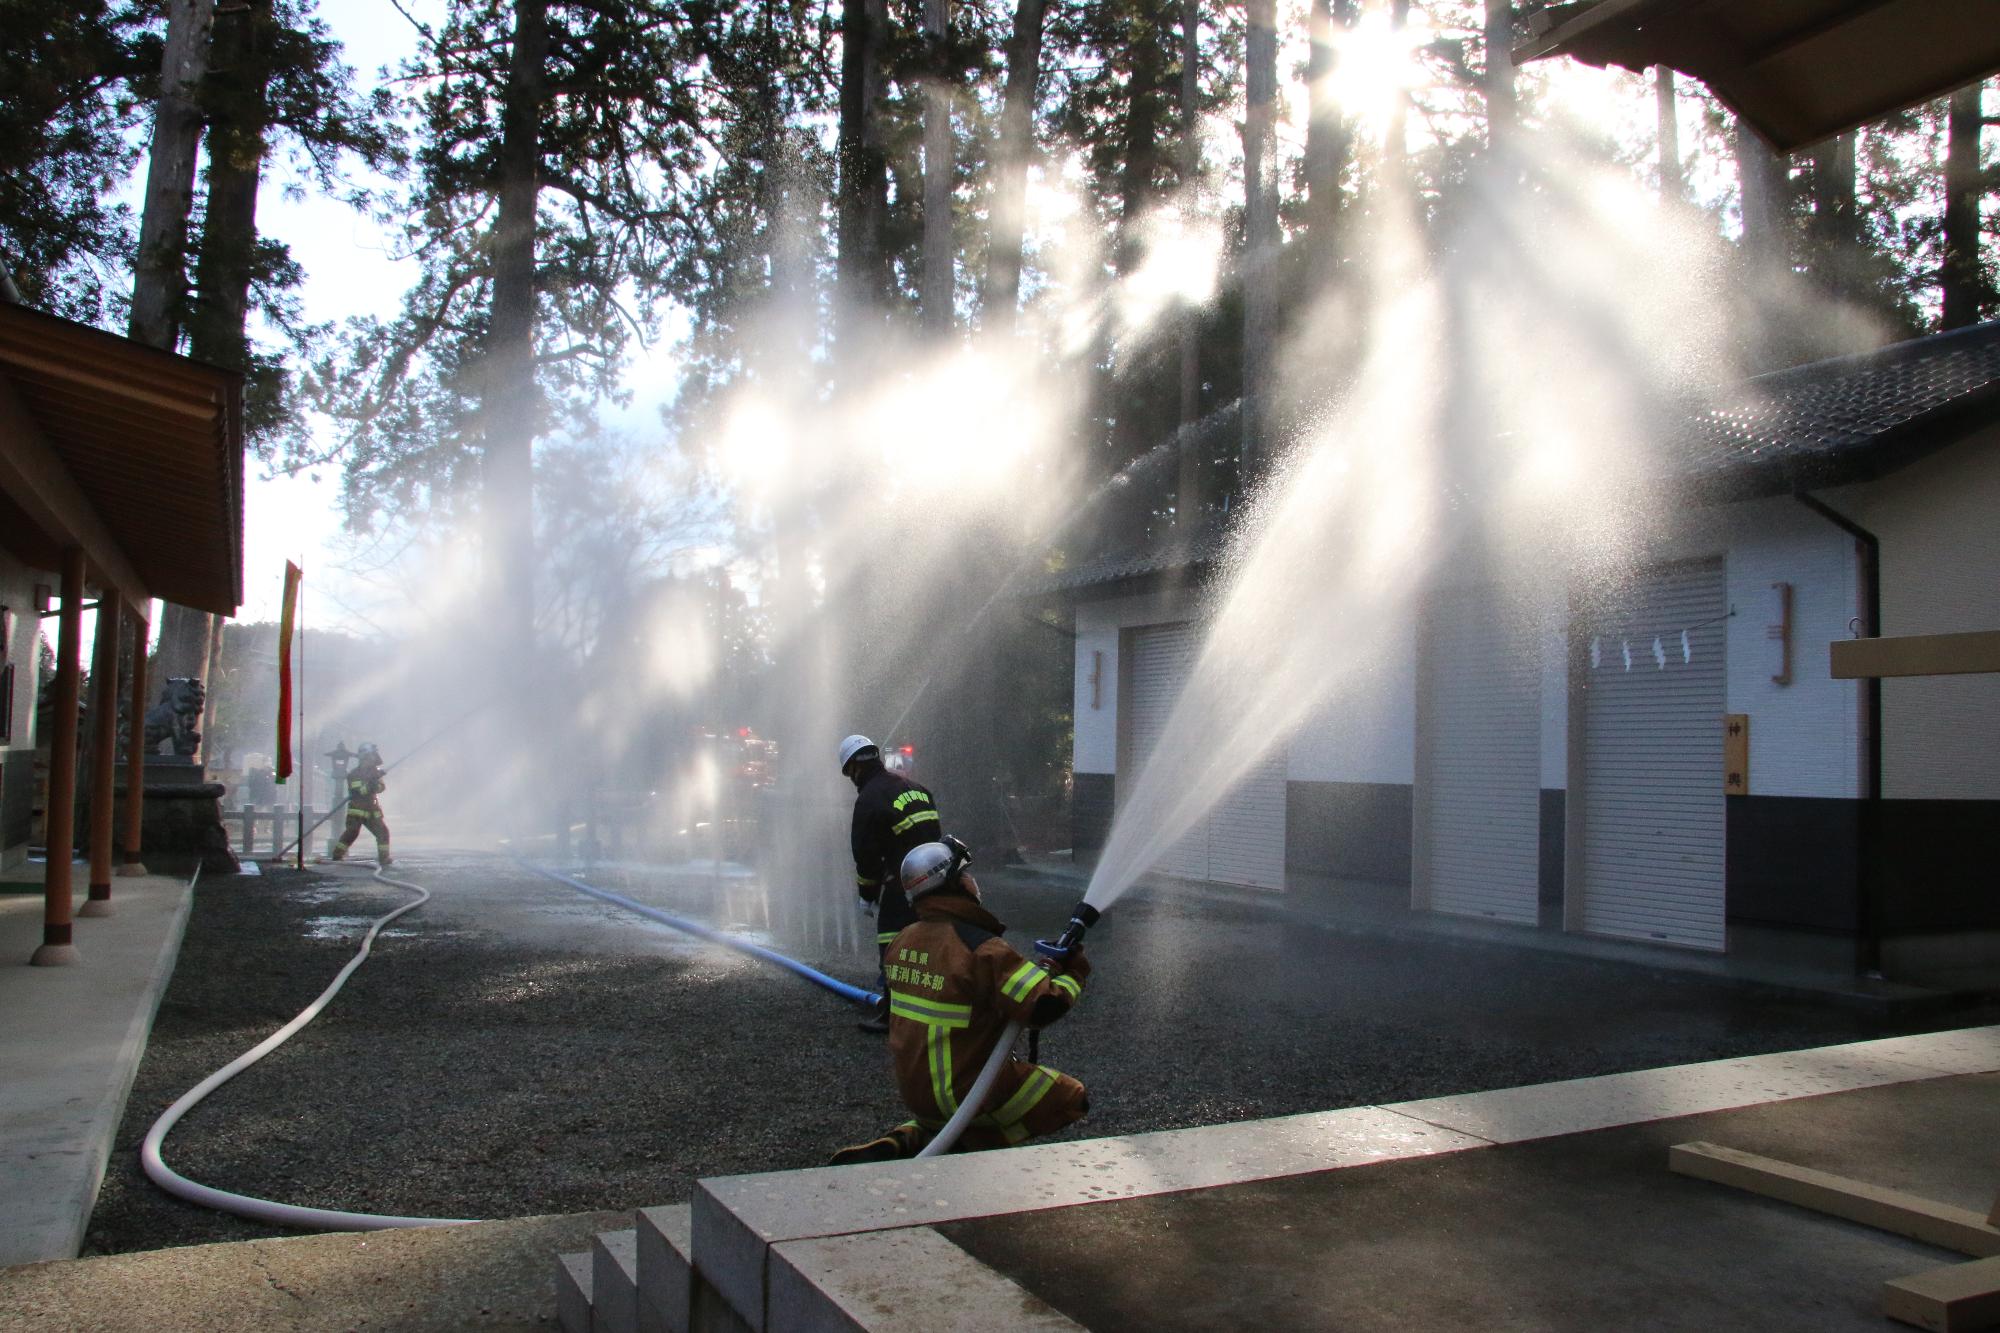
{"x": 818, "y": 978}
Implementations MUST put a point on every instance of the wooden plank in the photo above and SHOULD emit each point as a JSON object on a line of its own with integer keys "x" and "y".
{"x": 1917, "y": 655}
{"x": 35, "y": 480}
{"x": 1736, "y": 754}
{"x": 1937, "y": 1224}
{"x": 1951, "y": 1299}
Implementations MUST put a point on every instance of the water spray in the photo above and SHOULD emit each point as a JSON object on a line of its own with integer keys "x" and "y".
{"x": 448, "y": 727}
{"x": 1058, "y": 951}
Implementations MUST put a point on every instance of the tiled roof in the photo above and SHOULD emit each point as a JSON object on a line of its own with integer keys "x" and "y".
{"x": 1847, "y": 419}
{"x": 1838, "y": 420}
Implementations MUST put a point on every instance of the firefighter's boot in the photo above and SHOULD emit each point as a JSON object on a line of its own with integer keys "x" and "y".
{"x": 878, "y": 1018}
{"x": 339, "y": 852}
{"x": 905, "y": 1140}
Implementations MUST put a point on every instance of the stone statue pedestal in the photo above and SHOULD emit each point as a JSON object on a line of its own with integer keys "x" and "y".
{"x": 181, "y": 826}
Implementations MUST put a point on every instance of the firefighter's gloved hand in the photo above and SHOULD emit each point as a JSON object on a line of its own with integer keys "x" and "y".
{"x": 866, "y": 908}
{"x": 869, "y": 893}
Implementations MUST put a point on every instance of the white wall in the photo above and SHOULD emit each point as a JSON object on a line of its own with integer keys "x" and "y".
{"x": 1369, "y": 733}
{"x": 17, "y": 589}
{"x": 1094, "y": 746}
{"x": 1805, "y": 737}
{"x": 1939, "y": 524}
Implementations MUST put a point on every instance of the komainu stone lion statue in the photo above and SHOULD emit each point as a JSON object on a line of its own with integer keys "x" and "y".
{"x": 177, "y": 716}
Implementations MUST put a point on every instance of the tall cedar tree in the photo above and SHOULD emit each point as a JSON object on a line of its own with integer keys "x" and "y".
{"x": 68, "y": 103}
{"x": 562, "y": 144}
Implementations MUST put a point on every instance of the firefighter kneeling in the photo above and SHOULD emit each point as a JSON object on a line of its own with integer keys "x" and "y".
{"x": 954, "y": 983}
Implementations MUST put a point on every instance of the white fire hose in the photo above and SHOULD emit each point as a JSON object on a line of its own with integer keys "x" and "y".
{"x": 267, "y": 1210}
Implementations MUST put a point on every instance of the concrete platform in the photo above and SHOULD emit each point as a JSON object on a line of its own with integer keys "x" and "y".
{"x": 486, "y": 1275}
{"x": 1539, "y": 1207}
{"x": 70, "y": 1045}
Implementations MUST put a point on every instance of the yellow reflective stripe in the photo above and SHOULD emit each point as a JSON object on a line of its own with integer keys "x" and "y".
{"x": 937, "y": 1041}
{"x": 1069, "y": 984}
{"x": 1026, "y": 977}
{"x": 860, "y": 878}
{"x": 905, "y": 825}
{"x": 886, "y": 936}
{"x": 931, "y": 1013}
{"x": 1024, "y": 1098}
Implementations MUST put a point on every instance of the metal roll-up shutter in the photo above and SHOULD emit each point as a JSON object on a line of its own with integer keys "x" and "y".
{"x": 1246, "y": 829}
{"x": 1653, "y": 815}
{"x": 1480, "y": 758}
{"x": 1160, "y": 657}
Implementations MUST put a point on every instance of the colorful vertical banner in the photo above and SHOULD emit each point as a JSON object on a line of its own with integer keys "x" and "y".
{"x": 286, "y": 615}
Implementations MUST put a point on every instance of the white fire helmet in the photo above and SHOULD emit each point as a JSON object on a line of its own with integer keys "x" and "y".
{"x": 857, "y": 747}
{"x": 926, "y": 868}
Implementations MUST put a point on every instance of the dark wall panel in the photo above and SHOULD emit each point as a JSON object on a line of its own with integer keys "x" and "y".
{"x": 1555, "y": 802}
{"x": 1794, "y": 861}
{"x": 1940, "y": 865}
{"x": 1093, "y": 799}
{"x": 1348, "y": 830}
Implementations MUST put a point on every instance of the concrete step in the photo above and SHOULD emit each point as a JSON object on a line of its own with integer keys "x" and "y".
{"x": 492, "y": 1276}
{"x": 573, "y": 1292}
{"x": 666, "y": 1269}
{"x": 614, "y": 1282}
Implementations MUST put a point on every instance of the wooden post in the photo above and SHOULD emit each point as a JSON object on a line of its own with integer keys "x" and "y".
{"x": 135, "y": 754}
{"x": 57, "y": 926}
{"x": 103, "y": 749}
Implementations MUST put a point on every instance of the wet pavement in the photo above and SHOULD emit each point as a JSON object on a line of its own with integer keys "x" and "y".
{"x": 515, "y": 1047}
{"x": 1581, "y": 1232}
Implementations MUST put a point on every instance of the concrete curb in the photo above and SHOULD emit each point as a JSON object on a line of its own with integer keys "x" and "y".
{"x": 61, "y": 1131}
{"x": 743, "y": 1226}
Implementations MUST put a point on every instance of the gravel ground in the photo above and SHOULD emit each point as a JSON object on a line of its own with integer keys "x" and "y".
{"x": 516, "y": 1048}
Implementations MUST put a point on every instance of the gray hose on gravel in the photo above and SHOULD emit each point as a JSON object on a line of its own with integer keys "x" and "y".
{"x": 266, "y": 1210}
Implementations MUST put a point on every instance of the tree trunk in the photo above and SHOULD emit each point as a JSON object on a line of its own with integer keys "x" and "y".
{"x": 510, "y": 403}
{"x": 1765, "y": 183}
{"x": 1260, "y": 241}
{"x": 159, "y": 270}
{"x": 1961, "y": 281}
{"x": 1188, "y": 505}
{"x": 1328, "y": 135}
{"x": 1396, "y": 134}
{"x": 864, "y": 177}
{"x": 1500, "y": 109}
{"x": 938, "y": 281}
{"x": 1001, "y": 301}
{"x": 1673, "y": 178}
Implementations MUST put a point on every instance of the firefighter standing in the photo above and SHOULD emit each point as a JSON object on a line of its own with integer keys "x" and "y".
{"x": 954, "y": 984}
{"x": 892, "y": 816}
{"x": 364, "y": 806}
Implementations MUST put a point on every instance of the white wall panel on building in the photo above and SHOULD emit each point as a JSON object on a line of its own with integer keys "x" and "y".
{"x": 1094, "y": 708}
{"x": 1242, "y": 838}
{"x": 1479, "y": 760}
{"x": 1160, "y": 658}
{"x": 1651, "y": 862}
{"x": 1365, "y": 731}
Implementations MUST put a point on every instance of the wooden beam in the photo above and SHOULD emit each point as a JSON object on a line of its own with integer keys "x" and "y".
{"x": 1917, "y": 655}
{"x": 58, "y": 922}
{"x": 35, "y": 479}
{"x": 1951, "y": 1299}
{"x": 103, "y": 750}
{"x": 135, "y": 752}
{"x": 1937, "y": 1224}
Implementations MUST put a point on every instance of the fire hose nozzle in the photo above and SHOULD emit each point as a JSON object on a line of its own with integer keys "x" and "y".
{"x": 1081, "y": 918}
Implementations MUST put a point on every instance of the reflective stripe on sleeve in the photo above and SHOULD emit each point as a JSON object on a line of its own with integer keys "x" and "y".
{"x": 1068, "y": 984}
{"x": 1026, "y": 977}
{"x": 886, "y": 936}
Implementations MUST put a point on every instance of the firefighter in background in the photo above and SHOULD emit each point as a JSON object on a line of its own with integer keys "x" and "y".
{"x": 364, "y": 806}
{"x": 892, "y": 815}
{"x": 954, "y": 984}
